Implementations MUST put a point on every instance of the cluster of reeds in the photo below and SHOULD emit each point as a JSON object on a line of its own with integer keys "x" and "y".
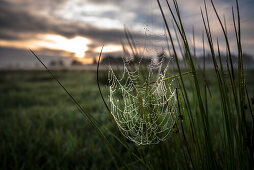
{"x": 234, "y": 134}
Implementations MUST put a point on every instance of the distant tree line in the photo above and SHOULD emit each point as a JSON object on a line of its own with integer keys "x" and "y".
{"x": 161, "y": 57}
{"x": 112, "y": 60}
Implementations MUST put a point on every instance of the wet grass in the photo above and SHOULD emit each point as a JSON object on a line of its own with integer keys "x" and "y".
{"x": 41, "y": 128}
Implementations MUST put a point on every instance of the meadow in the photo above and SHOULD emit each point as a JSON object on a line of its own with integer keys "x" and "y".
{"x": 41, "y": 128}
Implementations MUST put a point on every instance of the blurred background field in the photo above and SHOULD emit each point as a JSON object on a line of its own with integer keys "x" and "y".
{"x": 40, "y": 127}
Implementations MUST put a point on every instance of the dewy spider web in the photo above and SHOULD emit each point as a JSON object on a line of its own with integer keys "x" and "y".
{"x": 143, "y": 110}
{"x": 143, "y": 105}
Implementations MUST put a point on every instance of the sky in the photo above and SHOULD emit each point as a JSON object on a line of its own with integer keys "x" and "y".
{"x": 77, "y": 29}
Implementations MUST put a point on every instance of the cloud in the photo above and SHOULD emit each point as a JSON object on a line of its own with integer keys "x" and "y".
{"x": 17, "y": 21}
{"x": 102, "y": 21}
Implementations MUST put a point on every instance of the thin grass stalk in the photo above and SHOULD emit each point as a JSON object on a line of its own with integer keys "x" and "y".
{"x": 221, "y": 86}
{"x": 179, "y": 44}
{"x": 194, "y": 46}
{"x": 176, "y": 56}
{"x": 222, "y": 90}
{"x": 226, "y": 39}
{"x": 241, "y": 81}
{"x": 240, "y": 119}
{"x": 231, "y": 72}
{"x": 204, "y": 73}
{"x": 89, "y": 117}
{"x": 178, "y": 67}
{"x": 225, "y": 96}
{"x": 168, "y": 46}
{"x": 204, "y": 122}
{"x": 182, "y": 130}
{"x": 252, "y": 116}
{"x": 196, "y": 140}
{"x": 179, "y": 70}
{"x": 131, "y": 42}
{"x": 238, "y": 142}
{"x": 189, "y": 57}
{"x": 174, "y": 50}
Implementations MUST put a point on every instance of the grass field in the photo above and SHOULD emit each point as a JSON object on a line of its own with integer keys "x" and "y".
{"x": 40, "y": 127}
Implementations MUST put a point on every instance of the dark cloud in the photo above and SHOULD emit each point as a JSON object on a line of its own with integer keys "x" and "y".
{"x": 8, "y": 36}
{"x": 17, "y": 20}
{"x": 14, "y": 21}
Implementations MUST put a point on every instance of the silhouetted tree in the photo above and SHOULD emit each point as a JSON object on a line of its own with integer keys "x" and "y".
{"x": 60, "y": 62}
{"x": 76, "y": 63}
{"x": 53, "y": 63}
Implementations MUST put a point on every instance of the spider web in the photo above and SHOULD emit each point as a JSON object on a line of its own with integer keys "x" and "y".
{"x": 143, "y": 105}
{"x": 144, "y": 110}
